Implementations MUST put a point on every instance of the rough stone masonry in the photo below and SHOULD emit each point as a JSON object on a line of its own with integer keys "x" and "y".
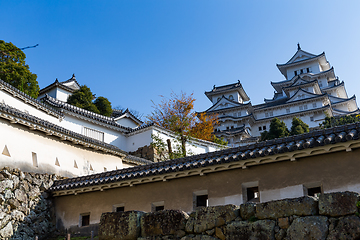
{"x": 331, "y": 216}
{"x": 25, "y": 207}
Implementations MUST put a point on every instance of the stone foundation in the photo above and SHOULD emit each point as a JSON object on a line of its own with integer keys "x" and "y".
{"x": 331, "y": 216}
{"x": 25, "y": 207}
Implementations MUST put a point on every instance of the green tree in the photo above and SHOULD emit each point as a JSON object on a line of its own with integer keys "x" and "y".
{"x": 277, "y": 129}
{"x": 298, "y": 127}
{"x": 83, "y": 98}
{"x": 338, "y": 121}
{"x": 15, "y": 71}
{"x": 104, "y": 106}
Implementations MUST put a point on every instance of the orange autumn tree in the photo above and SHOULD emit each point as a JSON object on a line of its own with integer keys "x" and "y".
{"x": 177, "y": 114}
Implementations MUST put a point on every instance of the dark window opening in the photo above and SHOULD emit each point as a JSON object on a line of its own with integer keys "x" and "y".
{"x": 259, "y": 128}
{"x": 120, "y": 209}
{"x": 85, "y": 220}
{"x": 159, "y": 208}
{"x": 264, "y": 127}
{"x": 301, "y": 71}
{"x": 295, "y": 72}
{"x": 253, "y": 194}
{"x": 307, "y": 70}
{"x": 201, "y": 201}
{"x": 314, "y": 191}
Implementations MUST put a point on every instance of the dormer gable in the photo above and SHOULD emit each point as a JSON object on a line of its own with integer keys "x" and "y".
{"x": 300, "y": 55}
{"x": 127, "y": 119}
{"x": 301, "y": 95}
{"x": 223, "y": 103}
{"x": 71, "y": 83}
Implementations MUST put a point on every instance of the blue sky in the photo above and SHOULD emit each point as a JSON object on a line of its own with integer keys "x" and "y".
{"x": 133, "y": 51}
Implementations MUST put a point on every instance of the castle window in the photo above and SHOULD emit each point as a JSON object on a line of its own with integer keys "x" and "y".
{"x": 253, "y": 194}
{"x": 301, "y": 71}
{"x": 200, "y": 199}
{"x": 250, "y": 192}
{"x": 84, "y": 219}
{"x": 266, "y": 114}
{"x": 157, "y": 206}
{"x": 271, "y": 114}
{"x": 305, "y": 106}
{"x": 260, "y": 128}
{"x": 231, "y": 97}
{"x": 119, "y": 208}
{"x": 288, "y": 110}
{"x": 34, "y": 160}
{"x": 264, "y": 127}
{"x": 314, "y": 105}
{"x": 295, "y": 72}
{"x": 89, "y": 132}
{"x": 239, "y": 114}
{"x": 315, "y": 192}
{"x": 301, "y": 107}
{"x": 311, "y": 119}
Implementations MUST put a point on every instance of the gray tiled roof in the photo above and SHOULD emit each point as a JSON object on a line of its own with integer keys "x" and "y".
{"x": 63, "y": 105}
{"x": 53, "y": 127}
{"x": 252, "y": 151}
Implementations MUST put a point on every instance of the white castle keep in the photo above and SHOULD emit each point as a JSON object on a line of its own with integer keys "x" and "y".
{"x": 311, "y": 91}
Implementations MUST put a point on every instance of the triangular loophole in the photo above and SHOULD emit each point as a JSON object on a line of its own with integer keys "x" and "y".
{"x": 57, "y": 162}
{"x": 91, "y": 168}
{"x": 75, "y": 165}
{"x": 6, "y": 151}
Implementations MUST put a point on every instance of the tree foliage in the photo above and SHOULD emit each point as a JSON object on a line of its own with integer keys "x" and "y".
{"x": 104, "y": 106}
{"x": 277, "y": 129}
{"x": 298, "y": 127}
{"x": 15, "y": 71}
{"x": 337, "y": 121}
{"x": 177, "y": 114}
{"x": 83, "y": 98}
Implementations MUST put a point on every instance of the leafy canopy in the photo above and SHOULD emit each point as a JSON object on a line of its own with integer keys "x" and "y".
{"x": 177, "y": 114}
{"x": 15, "y": 71}
{"x": 277, "y": 129}
{"x": 298, "y": 127}
{"x": 338, "y": 121}
{"x": 83, "y": 98}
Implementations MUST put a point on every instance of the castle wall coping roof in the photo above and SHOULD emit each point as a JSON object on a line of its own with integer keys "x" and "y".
{"x": 281, "y": 149}
{"x": 29, "y": 100}
{"x": 16, "y": 116}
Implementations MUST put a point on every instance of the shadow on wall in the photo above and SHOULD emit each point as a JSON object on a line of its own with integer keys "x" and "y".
{"x": 26, "y": 210}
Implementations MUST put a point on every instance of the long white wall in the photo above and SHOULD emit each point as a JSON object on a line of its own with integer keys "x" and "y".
{"x": 23, "y": 145}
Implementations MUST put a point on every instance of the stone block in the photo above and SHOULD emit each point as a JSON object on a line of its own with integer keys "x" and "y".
{"x": 262, "y": 229}
{"x": 344, "y": 228}
{"x": 338, "y": 203}
{"x": 247, "y": 210}
{"x": 166, "y": 222}
{"x": 210, "y": 217}
{"x": 120, "y": 225}
{"x": 284, "y": 222}
{"x": 304, "y": 228}
{"x": 304, "y": 206}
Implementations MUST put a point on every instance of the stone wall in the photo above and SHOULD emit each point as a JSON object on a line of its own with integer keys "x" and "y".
{"x": 330, "y": 216}
{"x": 25, "y": 207}
{"x": 146, "y": 152}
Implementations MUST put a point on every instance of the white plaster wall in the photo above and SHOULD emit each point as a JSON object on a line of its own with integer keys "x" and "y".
{"x": 22, "y": 106}
{"x": 126, "y": 122}
{"x": 282, "y": 193}
{"x": 22, "y": 142}
{"x": 315, "y": 68}
{"x": 111, "y": 136}
{"x": 51, "y": 93}
{"x": 140, "y": 139}
{"x": 62, "y": 94}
